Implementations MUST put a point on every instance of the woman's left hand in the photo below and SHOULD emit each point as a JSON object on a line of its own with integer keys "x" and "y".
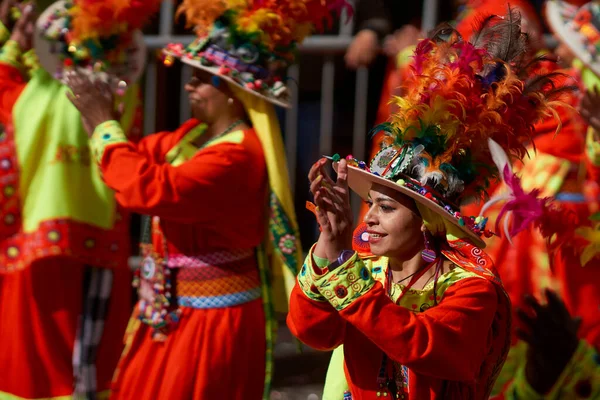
{"x": 551, "y": 333}
{"x": 334, "y": 214}
{"x": 94, "y": 100}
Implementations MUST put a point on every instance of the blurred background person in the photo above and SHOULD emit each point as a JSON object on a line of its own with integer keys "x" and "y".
{"x": 65, "y": 297}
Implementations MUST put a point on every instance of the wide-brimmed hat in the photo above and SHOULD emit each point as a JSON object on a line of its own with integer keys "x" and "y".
{"x": 457, "y": 97}
{"x": 251, "y": 43}
{"x": 578, "y": 28}
{"x": 101, "y": 39}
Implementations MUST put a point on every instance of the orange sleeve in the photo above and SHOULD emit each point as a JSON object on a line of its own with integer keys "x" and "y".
{"x": 11, "y": 86}
{"x": 449, "y": 341}
{"x": 315, "y": 323}
{"x": 185, "y": 193}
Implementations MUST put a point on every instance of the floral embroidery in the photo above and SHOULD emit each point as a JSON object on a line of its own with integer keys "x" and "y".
{"x": 107, "y": 133}
{"x": 346, "y": 283}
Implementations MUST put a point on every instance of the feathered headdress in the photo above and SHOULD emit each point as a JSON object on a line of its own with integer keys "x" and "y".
{"x": 459, "y": 95}
{"x": 251, "y": 42}
{"x": 101, "y": 19}
{"x": 99, "y": 36}
{"x": 456, "y": 97}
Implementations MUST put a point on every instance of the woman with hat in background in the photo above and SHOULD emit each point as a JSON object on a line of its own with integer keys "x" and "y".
{"x": 556, "y": 339}
{"x": 425, "y": 316}
{"x": 223, "y": 242}
{"x": 64, "y": 244}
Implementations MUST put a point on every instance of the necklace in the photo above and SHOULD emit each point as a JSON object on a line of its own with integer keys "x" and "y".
{"x": 226, "y": 131}
{"x": 391, "y": 277}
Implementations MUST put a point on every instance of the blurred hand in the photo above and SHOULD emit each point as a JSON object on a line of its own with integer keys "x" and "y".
{"x": 5, "y": 12}
{"x": 333, "y": 212}
{"x": 94, "y": 100}
{"x": 363, "y": 49}
{"x": 589, "y": 108}
{"x": 24, "y": 28}
{"x": 551, "y": 333}
{"x": 406, "y": 36}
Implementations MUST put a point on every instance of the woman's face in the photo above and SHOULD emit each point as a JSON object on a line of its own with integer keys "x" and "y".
{"x": 394, "y": 224}
{"x": 207, "y": 101}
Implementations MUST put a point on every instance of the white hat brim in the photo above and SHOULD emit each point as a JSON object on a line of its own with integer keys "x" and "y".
{"x": 362, "y": 181}
{"x": 215, "y": 71}
{"x": 51, "y": 62}
{"x": 554, "y": 11}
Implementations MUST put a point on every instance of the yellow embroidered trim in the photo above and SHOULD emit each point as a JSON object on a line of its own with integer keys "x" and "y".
{"x": 593, "y": 147}
{"x": 307, "y": 276}
{"x": 342, "y": 286}
{"x": 4, "y": 33}
{"x": 31, "y": 62}
{"x": 105, "y": 134}
{"x": 10, "y": 54}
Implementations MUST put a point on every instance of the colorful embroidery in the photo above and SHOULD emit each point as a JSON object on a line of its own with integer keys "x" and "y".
{"x": 345, "y": 284}
{"x": 593, "y": 147}
{"x": 67, "y": 153}
{"x": 283, "y": 235}
{"x": 105, "y": 134}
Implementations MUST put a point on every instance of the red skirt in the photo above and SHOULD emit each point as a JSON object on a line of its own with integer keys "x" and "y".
{"x": 39, "y": 310}
{"x": 216, "y": 353}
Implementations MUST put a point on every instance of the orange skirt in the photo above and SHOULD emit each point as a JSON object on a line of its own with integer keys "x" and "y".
{"x": 39, "y": 310}
{"x": 216, "y": 353}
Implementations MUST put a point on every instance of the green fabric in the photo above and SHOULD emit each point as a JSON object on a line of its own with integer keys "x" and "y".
{"x": 57, "y": 179}
{"x": 4, "y": 33}
{"x": 105, "y": 134}
{"x": 335, "y": 382}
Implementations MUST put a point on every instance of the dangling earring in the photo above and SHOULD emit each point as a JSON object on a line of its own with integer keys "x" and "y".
{"x": 230, "y": 101}
{"x": 429, "y": 254}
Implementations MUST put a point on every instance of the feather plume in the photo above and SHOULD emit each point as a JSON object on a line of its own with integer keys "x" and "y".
{"x": 93, "y": 19}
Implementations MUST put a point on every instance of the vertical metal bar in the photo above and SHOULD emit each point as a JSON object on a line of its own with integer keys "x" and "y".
{"x": 327, "y": 87}
{"x": 291, "y": 125}
{"x": 150, "y": 97}
{"x": 185, "y": 111}
{"x": 359, "y": 136}
{"x": 430, "y": 15}
{"x": 167, "y": 14}
{"x": 346, "y": 29}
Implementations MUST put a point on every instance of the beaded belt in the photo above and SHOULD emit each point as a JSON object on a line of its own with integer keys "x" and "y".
{"x": 222, "y": 279}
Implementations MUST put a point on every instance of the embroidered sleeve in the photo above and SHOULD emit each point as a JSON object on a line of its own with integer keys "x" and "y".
{"x": 105, "y": 134}
{"x": 593, "y": 147}
{"x": 346, "y": 283}
{"x": 4, "y": 33}
{"x": 579, "y": 380}
{"x": 31, "y": 62}
{"x": 314, "y": 267}
{"x": 11, "y": 53}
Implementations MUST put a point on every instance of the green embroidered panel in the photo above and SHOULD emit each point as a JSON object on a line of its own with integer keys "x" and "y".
{"x": 284, "y": 236}
{"x": 105, "y": 134}
{"x": 345, "y": 284}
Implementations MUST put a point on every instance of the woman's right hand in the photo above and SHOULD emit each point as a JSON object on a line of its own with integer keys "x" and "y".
{"x": 94, "y": 100}
{"x": 24, "y": 28}
{"x": 333, "y": 211}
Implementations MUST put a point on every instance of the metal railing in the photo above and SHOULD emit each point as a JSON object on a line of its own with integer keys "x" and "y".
{"x": 327, "y": 45}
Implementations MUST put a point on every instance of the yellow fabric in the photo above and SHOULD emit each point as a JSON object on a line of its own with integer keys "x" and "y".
{"x": 54, "y": 157}
{"x": 265, "y": 123}
{"x": 4, "y": 33}
{"x": 436, "y": 224}
{"x": 6, "y": 396}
